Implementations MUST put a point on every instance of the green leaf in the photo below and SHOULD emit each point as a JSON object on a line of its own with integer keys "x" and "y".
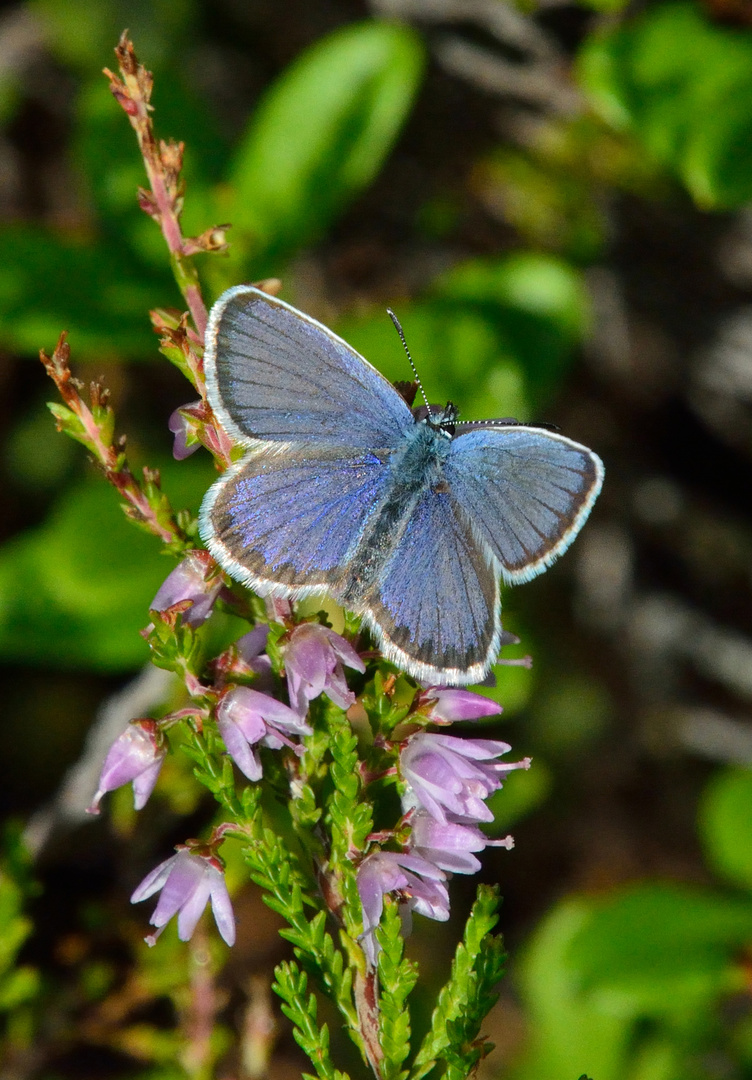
{"x": 660, "y": 949}
{"x": 50, "y": 283}
{"x": 75, "y": 591}
{"x": 725, "y": 820}
{"x": 569, "y": 1032}
{"x": 682, "y": 85}
{"x": 319, "y": 136}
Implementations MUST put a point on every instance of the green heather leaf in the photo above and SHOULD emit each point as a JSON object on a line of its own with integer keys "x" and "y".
{"x": 276, "y": 870}
{"x": 397, "y": 977}
{"x": 348, "y": 816}
{"x": 659, "y": 949}
{"x": 725, "y": 820}
{"x": 469, "y": 994}
{"x": 291, "y": 984}
{"x": 319, "y": 136}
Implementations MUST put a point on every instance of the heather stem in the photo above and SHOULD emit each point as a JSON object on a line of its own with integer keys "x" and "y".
{"x": 93, "y": 428}
{"x": 163, "y": 162}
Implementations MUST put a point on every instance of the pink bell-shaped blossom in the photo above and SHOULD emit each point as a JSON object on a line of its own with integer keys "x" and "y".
{"x": 135, "y": 757}
{"x": 449, "y": 845}
{"x": 251, "y": 648}
{"x": 188, "y": 881}
{"x": 420, "y": 886}
{"x": 247, "y": 718}
{"x": 448, "y": 775}
{"x": 313, "y": 664}
{"x": 447, "y": 704}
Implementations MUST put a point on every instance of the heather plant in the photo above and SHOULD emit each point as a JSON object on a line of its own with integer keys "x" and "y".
{"x": 300, "y": 732}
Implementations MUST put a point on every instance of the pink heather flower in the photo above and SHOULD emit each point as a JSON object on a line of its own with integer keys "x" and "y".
{"x": 445, "y": 705}
{"x": 450, "y": 775}
{"x": 449, "y": 846}
{"x": 247, "y": 718}
{"x": 180, "y": 425}
{"x": 188, "y": 881}
{"x": 420, "y": 885}
{"x": 135, "y": 757}
{"x": 196, "y": 579}
{"x": 251, "y": 648}
{"x": 313, "y": 663}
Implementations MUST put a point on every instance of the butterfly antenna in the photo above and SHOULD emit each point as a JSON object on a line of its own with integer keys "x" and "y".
{"x": 401, "y": 332}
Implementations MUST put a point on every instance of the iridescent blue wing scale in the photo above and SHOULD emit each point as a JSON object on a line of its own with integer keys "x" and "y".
{"x": 526, "y": 491}
{"x": 286, "y": 519}
{"x": 435, "y": 607}
{"x": 275, "y": 374}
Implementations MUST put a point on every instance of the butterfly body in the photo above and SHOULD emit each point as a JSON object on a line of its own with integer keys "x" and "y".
{"x": 407, "y": 518}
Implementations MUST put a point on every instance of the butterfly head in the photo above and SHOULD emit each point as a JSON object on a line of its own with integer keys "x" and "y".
{"x": 441, "y": 420}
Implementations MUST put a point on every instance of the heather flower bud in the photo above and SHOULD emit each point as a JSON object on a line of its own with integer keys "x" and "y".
{"x": 445, "y": 705}
{"x": 197, "y": 579}
{"x": 135, "y": 757}
{"x": 182, "y": 424}
{"x": 188, "y": 881}
{"x": 313, "y": 664}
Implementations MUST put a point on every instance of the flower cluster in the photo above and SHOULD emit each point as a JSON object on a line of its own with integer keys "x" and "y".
{"x": 247, "y": 718}
{"x": 446, "y": 782}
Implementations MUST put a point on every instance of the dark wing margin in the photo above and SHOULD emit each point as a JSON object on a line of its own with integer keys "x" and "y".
{"x": 274, "y": 373}
{"x": 526, "y": 492}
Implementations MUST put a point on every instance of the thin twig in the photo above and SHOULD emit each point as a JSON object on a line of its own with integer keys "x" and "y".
{"x": 163, "y": 162}
{"x": 94, "y": 428}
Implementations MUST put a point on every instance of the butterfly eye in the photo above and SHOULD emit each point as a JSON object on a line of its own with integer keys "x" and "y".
{"x": 444, "y": 420}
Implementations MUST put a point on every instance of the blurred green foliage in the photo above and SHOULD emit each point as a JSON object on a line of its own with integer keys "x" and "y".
{"x": 682, "y": 86}
{"x": 632, "y": 986}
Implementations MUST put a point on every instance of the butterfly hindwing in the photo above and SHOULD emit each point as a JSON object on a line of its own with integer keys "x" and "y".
{"x": 276, "y": 374}
{"x": 435, "y": 606}
{"x": 526, "y": 491}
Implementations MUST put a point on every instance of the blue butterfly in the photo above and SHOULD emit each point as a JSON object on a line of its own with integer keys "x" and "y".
{"x": 407, "y": 518}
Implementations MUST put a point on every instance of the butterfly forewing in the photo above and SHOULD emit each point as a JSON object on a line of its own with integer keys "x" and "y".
{"x": 290, "y": 518}
{"x": 276, "y": 374}
{"x": 526, "y": 492}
